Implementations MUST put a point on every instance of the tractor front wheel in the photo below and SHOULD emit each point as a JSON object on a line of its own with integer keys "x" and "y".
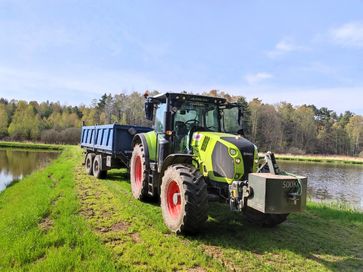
{"x": 139, "y": 173}
{"x": 264, "y": 219}
{"x": 184, "y": 199}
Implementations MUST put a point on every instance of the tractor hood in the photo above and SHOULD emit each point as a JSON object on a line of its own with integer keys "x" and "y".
{"x": 227, "y": 157}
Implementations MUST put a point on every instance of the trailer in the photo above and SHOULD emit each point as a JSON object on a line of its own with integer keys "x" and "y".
{"x": 108, "y": 146}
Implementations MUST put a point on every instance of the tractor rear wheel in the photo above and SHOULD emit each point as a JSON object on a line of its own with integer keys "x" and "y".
{"x": 139, "y": 173}
{"x": 184, "y": 199}
{"x": 97, "y": 172}
{"x": 88, "y": 163}
{"x": 264, "y": 219}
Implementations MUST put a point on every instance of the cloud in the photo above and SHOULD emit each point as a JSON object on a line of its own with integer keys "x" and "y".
{"x": 283, "y": 47}
{"x": 69, "y": 88}
{"x": 350, "y": 34}
{"x": 253, "y": 79}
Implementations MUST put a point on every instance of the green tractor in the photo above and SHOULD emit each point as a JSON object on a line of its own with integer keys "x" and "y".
{"x": 196, "y": 154}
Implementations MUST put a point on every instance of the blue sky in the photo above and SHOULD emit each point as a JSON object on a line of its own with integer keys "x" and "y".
{"x": 73, "y": 51}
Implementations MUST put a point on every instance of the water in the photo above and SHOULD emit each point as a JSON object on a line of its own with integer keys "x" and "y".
{"x": 15, "y": 164}
{"x": 333, "y": 182}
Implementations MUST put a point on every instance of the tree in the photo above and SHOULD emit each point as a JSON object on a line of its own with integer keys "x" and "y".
{"x": 246, "y": 115}
{"x": 255, "y": 108}
{"x": 305, "y": 128}
{"x": 26, "y": 124}
{"x": 269, "y": 134}
{"x": 288, "y": 126}
{"x": 4, "y": 119}
{"x": 355, "y": 132}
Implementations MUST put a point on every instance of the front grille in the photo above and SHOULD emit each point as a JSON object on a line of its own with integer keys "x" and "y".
{"x": 223, "y": 165}
{"x": 247, "y": 150}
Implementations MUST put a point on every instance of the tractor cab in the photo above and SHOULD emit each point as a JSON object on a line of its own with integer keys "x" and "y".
{"x": 178, "y": 116}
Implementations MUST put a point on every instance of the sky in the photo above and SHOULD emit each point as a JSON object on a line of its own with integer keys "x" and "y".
{"x": 303, "y": 52}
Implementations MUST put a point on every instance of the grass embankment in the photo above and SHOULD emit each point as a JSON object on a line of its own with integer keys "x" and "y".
{"x": 40, "y": 228}
{"x": 320, "y": 159}
{"x": 25, "y": 145}
{"x": 61, "y": 219}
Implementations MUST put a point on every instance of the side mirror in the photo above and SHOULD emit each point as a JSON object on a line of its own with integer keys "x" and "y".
{"x": 149, "y": 110}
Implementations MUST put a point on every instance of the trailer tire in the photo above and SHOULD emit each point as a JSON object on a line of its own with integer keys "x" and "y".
{"x": 88, "y": 163}
{"x": 184, "y": 199}
{"x": 139, "y": 173}
{"x": 97, "y": 172}
{"x": 268, "y": 220}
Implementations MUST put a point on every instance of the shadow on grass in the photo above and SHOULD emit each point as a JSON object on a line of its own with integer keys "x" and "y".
{"x": 321, "y": 234}
{"x": 124, "y": 176}
{"x": 119, "y": 175}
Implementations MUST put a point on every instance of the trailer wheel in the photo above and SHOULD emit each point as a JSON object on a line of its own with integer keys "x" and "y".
{"x": 264, "y": 219}
{"x": 139, "y": 173}
{"x": 89, "y": 163}
{"x": 97, "y": 172}
{"x": 184, "y": 199}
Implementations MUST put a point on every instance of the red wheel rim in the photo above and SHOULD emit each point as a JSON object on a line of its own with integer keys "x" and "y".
{"x": 138, "y": 172}
{"x": 173, "y": 199}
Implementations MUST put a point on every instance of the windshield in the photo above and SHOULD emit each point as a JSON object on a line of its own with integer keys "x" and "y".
{"x": 193, "y": 116}
{"x": 198, "y": 114}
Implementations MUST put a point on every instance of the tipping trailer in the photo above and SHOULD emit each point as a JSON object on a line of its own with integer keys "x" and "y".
{"x": 195, "y": 153}
{"x": 108, "y": 146}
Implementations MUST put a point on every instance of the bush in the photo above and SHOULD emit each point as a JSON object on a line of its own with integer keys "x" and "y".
{"x": 67, "y": 136}
{"x": 296, "y": 151}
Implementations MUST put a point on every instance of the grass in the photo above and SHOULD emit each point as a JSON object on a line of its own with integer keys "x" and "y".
{"x": 40, "y": 227}
{"x": 61, "y": 219}
{"x": 26, "y": 145}
{"x": 320, "y": 159}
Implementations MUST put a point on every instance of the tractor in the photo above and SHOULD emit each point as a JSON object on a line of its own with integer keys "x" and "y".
{"x": 197, "y": 153}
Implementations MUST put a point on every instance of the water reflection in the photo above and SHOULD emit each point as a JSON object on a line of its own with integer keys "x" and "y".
{"x": 341, "y": 183}
{"x": 15, "y": 164}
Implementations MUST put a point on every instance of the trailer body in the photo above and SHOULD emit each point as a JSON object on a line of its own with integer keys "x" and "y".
{"x": 113, "y": 142}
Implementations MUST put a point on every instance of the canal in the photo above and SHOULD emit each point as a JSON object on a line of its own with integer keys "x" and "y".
{"x": 15, "y": 164}
{"x": 332, "y": 182}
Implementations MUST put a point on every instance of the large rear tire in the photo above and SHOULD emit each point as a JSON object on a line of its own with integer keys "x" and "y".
{"x": 184, "y": 199}
{"x": 88, "y": 163}
{"x": 264, "y": 219}
{"x": 139, "y": 173}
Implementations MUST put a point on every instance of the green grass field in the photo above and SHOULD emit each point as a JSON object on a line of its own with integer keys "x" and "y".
{"x": 60, "y": 219}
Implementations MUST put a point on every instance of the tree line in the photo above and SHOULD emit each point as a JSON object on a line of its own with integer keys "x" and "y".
{"x": 282, "y": 127}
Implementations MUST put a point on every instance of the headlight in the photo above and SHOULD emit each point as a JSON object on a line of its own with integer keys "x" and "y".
{"x": 233, "y": 152}
{"x": 238, "y": 160}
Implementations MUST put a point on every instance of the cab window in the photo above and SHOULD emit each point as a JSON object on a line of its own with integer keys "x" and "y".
{"x": 159, "y": 118}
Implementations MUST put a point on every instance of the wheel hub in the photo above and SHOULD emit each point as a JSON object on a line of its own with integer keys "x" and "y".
{"x": 176, "y": 197}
